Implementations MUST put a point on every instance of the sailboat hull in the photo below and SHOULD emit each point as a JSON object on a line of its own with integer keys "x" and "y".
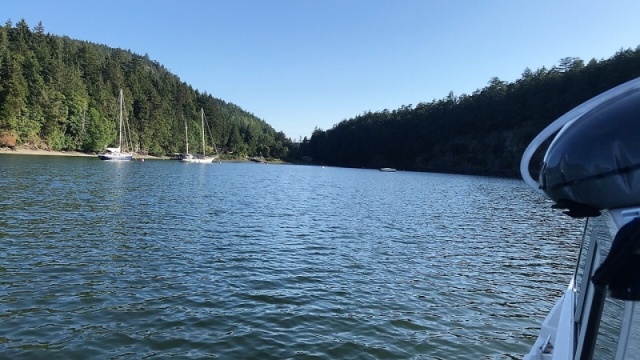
{"x": 197, "y": 160}
{"x": 115, "y": 157}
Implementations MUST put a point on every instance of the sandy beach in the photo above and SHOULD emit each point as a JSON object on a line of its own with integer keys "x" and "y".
{"x": 28, "y": 151}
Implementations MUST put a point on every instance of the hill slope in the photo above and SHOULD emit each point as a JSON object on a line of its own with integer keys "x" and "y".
{"x": 482, "y": 133}
{"x": 61, "y": 94}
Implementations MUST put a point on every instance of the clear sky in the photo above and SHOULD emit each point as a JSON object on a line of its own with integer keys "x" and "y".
{"x": 301, "y": 64}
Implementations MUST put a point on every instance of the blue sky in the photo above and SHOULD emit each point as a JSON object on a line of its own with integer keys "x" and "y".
{"x": 301, "y": 64}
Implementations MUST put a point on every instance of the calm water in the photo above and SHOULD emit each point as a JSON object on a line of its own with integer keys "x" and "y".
{"x": 159, "y": 258}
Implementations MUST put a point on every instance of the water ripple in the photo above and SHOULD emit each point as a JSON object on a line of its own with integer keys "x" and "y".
{"x": 162, "y": 259}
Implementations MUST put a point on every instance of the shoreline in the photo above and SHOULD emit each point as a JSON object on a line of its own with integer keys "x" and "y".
{"x": 28, "y": 151}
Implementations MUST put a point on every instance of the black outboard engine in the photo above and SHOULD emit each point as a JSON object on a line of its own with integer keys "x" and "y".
{"x": 593, "y": 164}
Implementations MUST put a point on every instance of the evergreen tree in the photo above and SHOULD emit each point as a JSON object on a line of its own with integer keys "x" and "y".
{"x": 59, "y": 93}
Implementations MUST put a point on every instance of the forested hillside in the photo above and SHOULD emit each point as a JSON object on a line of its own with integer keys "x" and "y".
{"x": 61, "y": 94}
{"x": 482, "y": 133}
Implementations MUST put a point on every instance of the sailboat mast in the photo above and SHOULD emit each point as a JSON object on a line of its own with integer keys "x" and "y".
{"x": 202, "y": 120}
{"x": 186, "y": 136}
{"x": 120, "y": 131}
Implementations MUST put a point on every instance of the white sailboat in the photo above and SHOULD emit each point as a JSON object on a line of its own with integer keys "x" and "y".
{"x": 119, "y": 153}
{"x": 197, "y": 158}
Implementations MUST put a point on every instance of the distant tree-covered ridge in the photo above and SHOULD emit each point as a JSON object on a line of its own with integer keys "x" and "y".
{"x": 61, "y": 94}
{"x": 482, "y": 133}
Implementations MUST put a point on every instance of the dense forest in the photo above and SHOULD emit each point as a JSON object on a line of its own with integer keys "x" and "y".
{"x": 62, "y": 94}
{"x": 482, "y": 133}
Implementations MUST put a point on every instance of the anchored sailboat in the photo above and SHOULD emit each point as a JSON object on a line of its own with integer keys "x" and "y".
{"x": 119, "y": 153}
{"x": 197, "y": 158}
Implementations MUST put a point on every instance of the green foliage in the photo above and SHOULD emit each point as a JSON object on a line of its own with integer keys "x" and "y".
{"x": 61, "y": 94}
{"x": 482, "y": 133}
{"x": 100, "y": 132}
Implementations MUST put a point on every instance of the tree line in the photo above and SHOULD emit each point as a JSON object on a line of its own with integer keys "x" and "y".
{"x": 482, "y": 133}
{"x": 61, "y": 94}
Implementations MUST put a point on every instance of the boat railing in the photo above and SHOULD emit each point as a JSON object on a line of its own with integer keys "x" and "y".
{"x": 605, "y": 327}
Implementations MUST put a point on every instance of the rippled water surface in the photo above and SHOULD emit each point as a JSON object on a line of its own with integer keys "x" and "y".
{"x": 159, "y": 258}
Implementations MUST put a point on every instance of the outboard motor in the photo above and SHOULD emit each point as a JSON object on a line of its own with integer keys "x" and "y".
{"x": 593, "y": 164}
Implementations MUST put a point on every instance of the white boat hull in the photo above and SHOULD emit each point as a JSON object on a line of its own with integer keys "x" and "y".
{"x": 555, "y": 340}
{"x": 198, "y": 161}
{"x": 115, "y": 157}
